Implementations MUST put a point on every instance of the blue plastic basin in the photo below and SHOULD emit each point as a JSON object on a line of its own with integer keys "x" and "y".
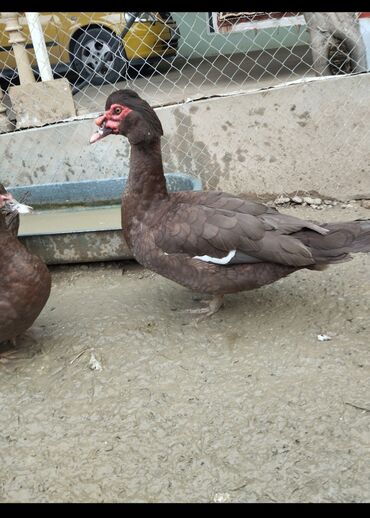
{"x": 91, "y": 192}
{"x": 62, "y": 229}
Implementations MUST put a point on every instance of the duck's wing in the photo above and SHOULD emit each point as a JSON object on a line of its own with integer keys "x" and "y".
{"x": 220, "y": 200}
{"x": 229, "y": 230}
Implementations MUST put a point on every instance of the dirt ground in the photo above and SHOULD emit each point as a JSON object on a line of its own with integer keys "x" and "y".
{"x": 247, "y": 406}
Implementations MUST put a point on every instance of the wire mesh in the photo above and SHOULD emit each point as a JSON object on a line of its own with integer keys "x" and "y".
{"x": 172, "y": 57}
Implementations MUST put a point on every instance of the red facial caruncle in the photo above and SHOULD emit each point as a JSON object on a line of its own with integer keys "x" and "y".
{"x": 5, "y": 198}
{"x": 110, "y": 121}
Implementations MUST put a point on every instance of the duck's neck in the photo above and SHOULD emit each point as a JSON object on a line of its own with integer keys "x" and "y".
{"x": 2, "y": 222}
{"x": 146, "y": 177}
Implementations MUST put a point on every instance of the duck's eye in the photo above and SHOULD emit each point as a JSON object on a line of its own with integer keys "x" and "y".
{"x": 117, "y": 110}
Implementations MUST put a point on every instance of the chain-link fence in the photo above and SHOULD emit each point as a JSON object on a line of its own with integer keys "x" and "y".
{"x": 172, "y": 57}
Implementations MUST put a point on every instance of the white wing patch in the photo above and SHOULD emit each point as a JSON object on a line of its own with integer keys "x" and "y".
{"x": 216, "y": 260}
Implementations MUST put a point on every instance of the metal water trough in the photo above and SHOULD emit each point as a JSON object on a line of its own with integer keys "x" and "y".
{"x": 74, "y": 237}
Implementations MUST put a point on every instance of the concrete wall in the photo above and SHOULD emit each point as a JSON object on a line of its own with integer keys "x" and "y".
{"x": 307, "y": 137}
{"x": 197, "y": 41}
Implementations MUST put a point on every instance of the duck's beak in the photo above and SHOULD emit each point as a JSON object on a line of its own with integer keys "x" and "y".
{"x": 9, "y": 204}
{"x": 102, "y": 132}
{"x": 21, "y": 208}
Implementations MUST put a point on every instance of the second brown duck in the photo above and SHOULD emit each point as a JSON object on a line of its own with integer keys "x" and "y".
{"x": 25, "y": 280}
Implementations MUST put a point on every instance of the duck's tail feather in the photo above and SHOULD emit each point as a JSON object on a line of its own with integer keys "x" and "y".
{"x": 336, "y": 246}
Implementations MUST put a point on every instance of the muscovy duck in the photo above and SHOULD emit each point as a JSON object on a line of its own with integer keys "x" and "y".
{"x": 211, "y": 242}
{"x": 25, "y": 280}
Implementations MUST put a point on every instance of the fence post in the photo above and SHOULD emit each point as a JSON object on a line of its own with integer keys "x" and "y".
{"x": 17, "y": 41}
{"x": 38, "y": 41}
{"x": 5, "y": 124}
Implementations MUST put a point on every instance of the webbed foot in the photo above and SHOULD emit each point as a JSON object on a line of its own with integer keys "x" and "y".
{"x": 212, "y": 306}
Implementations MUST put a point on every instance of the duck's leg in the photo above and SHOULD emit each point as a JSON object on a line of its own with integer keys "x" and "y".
{"x": 10, "y": 354}
{"x": 211, "y": 308}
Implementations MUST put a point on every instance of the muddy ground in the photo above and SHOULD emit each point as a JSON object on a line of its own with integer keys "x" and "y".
{"x": 248, "y": 406}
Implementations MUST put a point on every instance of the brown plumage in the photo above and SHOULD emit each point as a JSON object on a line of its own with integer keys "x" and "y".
{"x": 183, "y": 236}
{"x": 24, "y": 279}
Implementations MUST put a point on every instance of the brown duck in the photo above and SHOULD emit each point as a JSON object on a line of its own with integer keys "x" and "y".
{"x": 212, "y": 242}
{"x": 24, "y": 279}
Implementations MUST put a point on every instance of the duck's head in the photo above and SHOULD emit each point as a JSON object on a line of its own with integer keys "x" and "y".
{"x": 10, "y": 204}
{"x": 129, "y": 115}
{"x": 10, "y": 207}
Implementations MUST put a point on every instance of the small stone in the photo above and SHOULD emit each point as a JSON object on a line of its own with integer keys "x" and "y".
{"x": 221, "y": 498}
{"x": 335, "y": 203}
{"x": 365, "y": 204}
{"x": 312, "y": 201}
{"x": 308, "y": 200}
{"x": 328, "y": 202}
{"x": 297, "y": 199}
{"x": 94, "y": 364}
{"x": 280, "y": 200}
{"x": 323, "y": 338}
